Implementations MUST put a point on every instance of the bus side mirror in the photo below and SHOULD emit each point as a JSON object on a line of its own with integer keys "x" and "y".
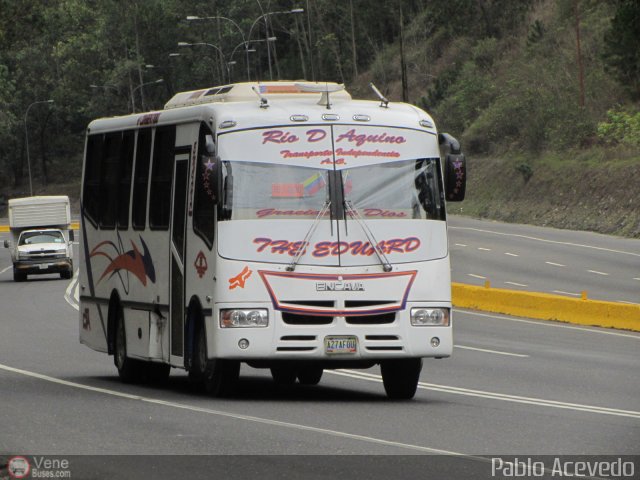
{"x": 455, "y": 177}
{"x": 455, "y": 167}
{"x": 6, "y": 244}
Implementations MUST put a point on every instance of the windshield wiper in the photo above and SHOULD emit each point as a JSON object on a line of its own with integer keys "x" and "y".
{"x": 292, "y": 266}
{"x": 355, "y": 214}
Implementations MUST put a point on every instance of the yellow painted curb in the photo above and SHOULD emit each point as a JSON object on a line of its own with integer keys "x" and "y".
{"x": 547, "y": 307}
{"x": 74, "y": 226}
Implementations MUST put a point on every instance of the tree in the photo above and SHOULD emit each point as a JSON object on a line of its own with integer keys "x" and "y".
{"x": 622, "y": 54}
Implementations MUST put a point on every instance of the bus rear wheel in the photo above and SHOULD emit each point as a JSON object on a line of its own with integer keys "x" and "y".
{"x": 129, "y": 369}
{"x": 400, "y": 377}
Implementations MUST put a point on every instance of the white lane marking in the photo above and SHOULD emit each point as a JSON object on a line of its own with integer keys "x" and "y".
{"x": 476, "y": 276}
{"x": 555, "y": 264}
{"x": 236, "y": 416}
{"x": 637, "y": 279}
{"x": 497, "y": 352}
{"x": 561, "y": 292}
{"x": 598, "y": 273}
{"x": 68, "y": 294}
{"x": 500, "y": 396}
{"x": 630, "y": 303}
{"x": 484, "y": 249}
{"x": 511, "y": 254}
{"x": 570, "y": 244}
{"x": 460, "y": 245}
{"x": 5, "y": 269}
{"x": 516, "y": 284}
{"x": 548, "y": 323}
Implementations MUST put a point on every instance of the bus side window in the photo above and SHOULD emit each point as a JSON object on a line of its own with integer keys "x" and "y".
{"x": 206, "y": 191}
{"x": 143, "y": 153}
{"x": 124, "y": 188}
{"x": 92, "y": 170}
{"x": 161, "y": 175}
{"x": 109, "y": 180}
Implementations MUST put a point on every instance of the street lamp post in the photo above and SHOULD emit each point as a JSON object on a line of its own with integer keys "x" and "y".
{"x": 26, "y": 136}
{"x": 133, "y": 92}
{"x": 265, "y": 16}
{"x": 218, "y": 49}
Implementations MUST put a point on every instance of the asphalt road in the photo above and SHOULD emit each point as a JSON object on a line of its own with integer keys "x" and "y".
{"x": 563, "y": 262}
{"x": 513, "y": 387}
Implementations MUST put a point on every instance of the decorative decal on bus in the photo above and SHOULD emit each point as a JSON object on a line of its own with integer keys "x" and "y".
{"x": 392, "y": 289}
{"x": 240, "y": 279}
{"x": 132, "y": 261}
{"x": 201, "y": 264}
{"x": 326, "y": 248}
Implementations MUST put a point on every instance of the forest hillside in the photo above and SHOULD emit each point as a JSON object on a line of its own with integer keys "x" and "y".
{"x": 543, "y": 94}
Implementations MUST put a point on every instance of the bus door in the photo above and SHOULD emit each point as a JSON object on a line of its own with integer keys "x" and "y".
{"x": 177, "y": 253}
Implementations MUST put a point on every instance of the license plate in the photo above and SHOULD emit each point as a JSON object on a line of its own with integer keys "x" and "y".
{"x": 340, "y": 345}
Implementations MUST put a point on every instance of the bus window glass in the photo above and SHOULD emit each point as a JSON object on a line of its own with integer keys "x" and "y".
{"x": 267, "y": 191}
{"x": 204, "y": 201}
{"x": 400, "y": 190}
{"x": 109, "y": 180}
{"x": 143, "y": 153}
{"x": 124, "y": 187}
{"x": 161, "y": 173}
{"x": 93, "y": 164}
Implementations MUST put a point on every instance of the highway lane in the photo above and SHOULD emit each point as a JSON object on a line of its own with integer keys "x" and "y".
{"x": 514, "y": 386}
{"x": 564, "y": 262}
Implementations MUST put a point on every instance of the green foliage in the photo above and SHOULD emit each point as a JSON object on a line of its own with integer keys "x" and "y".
{"x": 500, "y": 74}
{"x": 622, "y": 41}
{"x": 621, "y": 128}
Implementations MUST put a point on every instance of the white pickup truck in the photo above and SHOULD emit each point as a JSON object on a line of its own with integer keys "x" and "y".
{"x": 41, "y": 236}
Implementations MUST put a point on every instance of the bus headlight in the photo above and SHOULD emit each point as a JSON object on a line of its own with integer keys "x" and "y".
{"x": 234, "y": 318}
{"x": 425, "y": 317}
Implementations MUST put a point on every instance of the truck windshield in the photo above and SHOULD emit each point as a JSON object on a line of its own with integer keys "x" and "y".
{"x": 408, "y": 189}
{"x": 32, "y": 238}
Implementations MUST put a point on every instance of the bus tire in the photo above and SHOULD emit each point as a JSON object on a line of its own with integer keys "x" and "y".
{"x": 400, "y": 377}
{"x": 310, "y": 375}
{"x": 283, "y": 375}
{"x": 129, "y": 369}
{"x": 218, "y": 377}
{"x": 221, "y": 377}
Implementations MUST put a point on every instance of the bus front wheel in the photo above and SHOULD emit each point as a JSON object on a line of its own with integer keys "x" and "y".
{"x": 310, "y": 375}
{"x": 400, "y": 377}
{"x": 217, "y": 377}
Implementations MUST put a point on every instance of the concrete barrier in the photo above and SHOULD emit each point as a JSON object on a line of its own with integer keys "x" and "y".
{"x": 547, "y": 307}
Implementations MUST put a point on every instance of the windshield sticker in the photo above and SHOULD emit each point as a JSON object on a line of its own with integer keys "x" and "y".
{"x": 138, "y": 264}
{"x": 326, "y": 248}
{"x": 240, "y": 279}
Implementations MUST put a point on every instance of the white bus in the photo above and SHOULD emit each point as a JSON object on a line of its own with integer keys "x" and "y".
{"x": 282, "y": 225}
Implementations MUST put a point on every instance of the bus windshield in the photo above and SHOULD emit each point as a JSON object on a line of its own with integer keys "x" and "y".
{"x": 408, "y": 189}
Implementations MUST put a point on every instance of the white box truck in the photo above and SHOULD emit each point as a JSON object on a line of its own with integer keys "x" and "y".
{"x": 41, "y": 236}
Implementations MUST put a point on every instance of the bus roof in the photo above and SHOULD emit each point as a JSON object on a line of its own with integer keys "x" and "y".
{"x": 262, "y": 105}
